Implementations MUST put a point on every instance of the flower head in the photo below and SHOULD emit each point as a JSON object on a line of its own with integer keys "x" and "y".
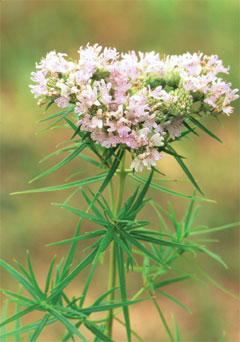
{"x": 138, "y": 101}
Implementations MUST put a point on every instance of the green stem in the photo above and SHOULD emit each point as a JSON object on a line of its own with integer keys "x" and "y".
{"x": 112, "y": 261}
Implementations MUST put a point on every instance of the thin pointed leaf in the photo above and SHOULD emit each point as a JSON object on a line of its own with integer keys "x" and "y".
{"x": 203, "y": 128}
{"x": 49, "y": 275}
{"x": 142, "y": 237}
{"x": 143, "y": 192}
{"x": 174, "y": 300}
{"x": 19, "y": 277}
{"x": 185, "y": 169}
{"x": 3, "y": 318}
{"x": 19, "y": 314}
{"x": 39, "y": 329}
{"x": 109, "y": 175}
{"x": 18, "y": 296}
{"x": 206, "y": 231}
{"x": 70, "y": 327}
{"x": 141, "y": 247}
{"x": 57, "y": 114}
{"x": 222, "y": 338}
{"x": 176, "y": 329}
{"x": 192, "y": 129}
{"x": 17, "y": 322}
{"x": 127, "y": 205}
{"x": 125, "y": 248}
{"x": 206, "y": 275}
{"x": 213, "y": 255}
{"x": 96, "y": 331}
{"x": 61, "y": 163}
{"x": 170, "y": 281}
{"x": 89, "y": 159}
{"x": 121, "y": 275}
{"x": 105, "y": 241}
{"x": 34, "y": 281}
{"x": 163, "y": 320}
{"x": 71, "y": 252}
{"x": 79, "y": 238}
{"x": 171, "y": 192}
{"x": 188, "y": 215}
{"x": 93, "y": 207}
{"x": 72, "y": 275}
{"x": 132, "y": 331}
{"x": 84, "y": 215}
{"x": 80, "y": 182}
{"x": 64, "y": 149}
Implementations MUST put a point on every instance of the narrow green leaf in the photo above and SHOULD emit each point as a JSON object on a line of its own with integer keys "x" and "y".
{"x": 192, "y": 129}
{"x": 203, "y": 128}
{"x": 127, "y": 205}
{"x": 123, "y": 291}
{"x": 68, "y": 148}
{"x": 103, "y": 245}
{"x": 185, "y": 169}
{"x": 163, "y": 319}
{"x": 141, "y": 247}
{"x": 3, "y": 318}
{"x": 26, "y": 328}
{"x": 170, "y": 281}
{"x": 70, "y": 327}
{"x": 109, "y": 175}
{"x": 61, "y": 163}
{"x": 174, "y": 300}
{"x": 206, "y": 231}
{"x": 93, "y": 207}
{"x": 96, "y": 331}
{"x": 89, "y": 159}
{"x": 188, "y": 215}
{"x": 142, "y": 237}
{"x": 17, "y": 322}
{"x": 57, "y": 114}
{"x": 55, "y": 291}
{"x": 143, "y": 192}
{"x": 18, "y": 296}
{"x": 19, "y": 314}
{"x": 49, "y": 275}
{"x": 124, "y": 247}
{"x": 132, "y": 331}
{"x": 78, "y": 238}
{"x": 19, "y": 277}
{"x": 84, "y": 215}
{"x": 107, "y": 307}
{"x": 80, "y": 182}
{"x": 206, "y": 275}
{"x": 54, "y": 125}
{"x": 176, "y": 329}
{"x": 39, "y": 329}
{"x": 222, "y": 338}
{"x": 213, "y": 255}
{"x": 34, "y": 281}
{"x": 71, "y": 253}
{"x": 171, "y": 192}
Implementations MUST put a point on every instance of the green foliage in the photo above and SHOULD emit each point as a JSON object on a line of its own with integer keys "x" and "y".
{"x": 150, "y": 252}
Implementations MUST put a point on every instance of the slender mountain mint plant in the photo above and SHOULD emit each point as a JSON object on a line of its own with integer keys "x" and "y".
{"x": 121, "y": 105}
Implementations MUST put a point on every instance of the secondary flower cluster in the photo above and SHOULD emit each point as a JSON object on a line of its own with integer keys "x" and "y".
{"x": 138, "y": 101}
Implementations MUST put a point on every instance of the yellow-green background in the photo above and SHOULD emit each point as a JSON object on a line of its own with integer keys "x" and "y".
{"x": 32, "y": 28}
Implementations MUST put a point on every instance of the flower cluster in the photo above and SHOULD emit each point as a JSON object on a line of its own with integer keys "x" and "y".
{"x": 138, "y": 101}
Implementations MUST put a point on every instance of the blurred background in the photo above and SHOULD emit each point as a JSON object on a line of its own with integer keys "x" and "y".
{"x": 32, "y": 28}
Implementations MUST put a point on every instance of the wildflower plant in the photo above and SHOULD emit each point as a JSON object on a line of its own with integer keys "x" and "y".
{"x": 121, "y": 105}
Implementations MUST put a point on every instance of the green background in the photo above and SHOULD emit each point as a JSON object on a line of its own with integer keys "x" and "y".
{"x": 31, "y": 29}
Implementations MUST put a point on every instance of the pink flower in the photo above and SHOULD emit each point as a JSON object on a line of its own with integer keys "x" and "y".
{"x": 62, "y": 101}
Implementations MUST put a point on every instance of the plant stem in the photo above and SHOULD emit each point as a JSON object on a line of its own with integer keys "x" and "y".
{"x": 112, "y": 260}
